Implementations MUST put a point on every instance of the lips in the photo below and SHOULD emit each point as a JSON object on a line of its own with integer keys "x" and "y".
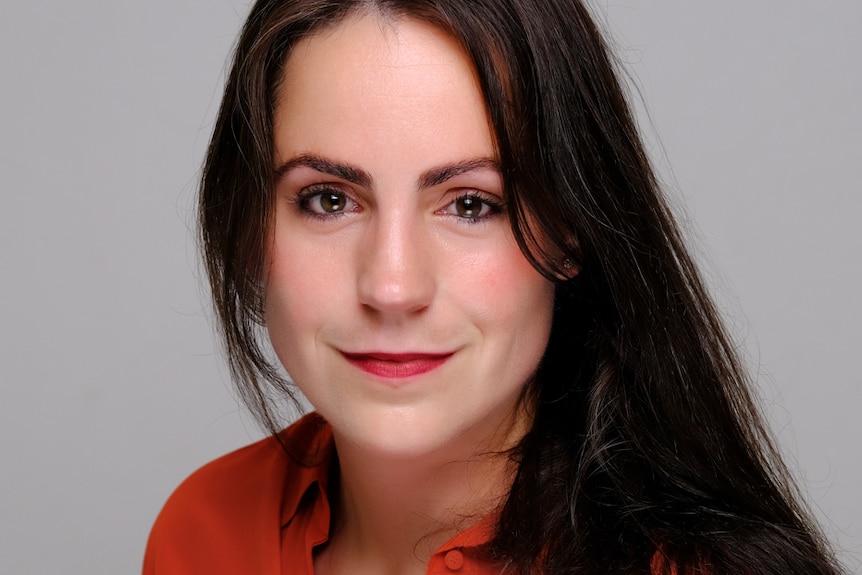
{"x": 397, "y": 365}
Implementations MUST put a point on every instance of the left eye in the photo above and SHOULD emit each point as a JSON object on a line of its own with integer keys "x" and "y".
{"x": 472, "y": 207}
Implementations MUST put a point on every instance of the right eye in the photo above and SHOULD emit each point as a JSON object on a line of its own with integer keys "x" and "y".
{"x": 325, "y": 202}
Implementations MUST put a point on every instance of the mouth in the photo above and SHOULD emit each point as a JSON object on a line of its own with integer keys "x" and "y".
{"x": 397, "y": 365}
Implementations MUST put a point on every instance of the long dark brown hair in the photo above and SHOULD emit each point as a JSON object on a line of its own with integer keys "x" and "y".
{"x": 647, "y": 453}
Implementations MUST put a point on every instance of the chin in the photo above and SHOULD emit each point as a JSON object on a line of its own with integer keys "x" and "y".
{"x": 436, "y": 434}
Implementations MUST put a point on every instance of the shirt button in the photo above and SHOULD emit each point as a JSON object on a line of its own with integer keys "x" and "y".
{"x": 454, "y": 559}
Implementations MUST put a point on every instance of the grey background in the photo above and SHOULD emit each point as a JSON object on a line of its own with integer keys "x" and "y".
{"x": 111, "y": 388}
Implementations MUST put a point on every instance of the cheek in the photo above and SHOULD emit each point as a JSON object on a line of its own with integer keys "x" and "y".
{"x": 506, "y": 289}
{"x": 296, "y": 291}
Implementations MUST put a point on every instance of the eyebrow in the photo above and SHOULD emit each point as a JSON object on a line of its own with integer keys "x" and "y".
{"x": 319, "y": 163}
{"x": 437, "y": 176}
{"x": 358, "y": 176}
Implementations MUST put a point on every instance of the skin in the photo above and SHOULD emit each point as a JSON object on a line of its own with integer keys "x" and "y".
{"x": 390, "y": 237}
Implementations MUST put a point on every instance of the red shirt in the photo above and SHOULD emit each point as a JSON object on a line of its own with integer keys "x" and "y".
{"x": 258, "y": 511}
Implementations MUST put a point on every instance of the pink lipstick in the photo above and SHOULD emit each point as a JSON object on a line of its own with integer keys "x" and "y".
{"x": 397, "y": 365}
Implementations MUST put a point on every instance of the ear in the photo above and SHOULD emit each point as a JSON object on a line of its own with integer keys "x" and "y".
{"x": 568, "y": 269}
{"x": 569, "y": 258}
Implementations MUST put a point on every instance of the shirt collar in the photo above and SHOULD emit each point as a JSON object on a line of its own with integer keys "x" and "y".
{"x": 312, "y": 451}
{"x": 311, "y": 448}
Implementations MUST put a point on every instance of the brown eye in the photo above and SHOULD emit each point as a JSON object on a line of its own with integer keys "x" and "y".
{"x": 473, "y": 207}
{"x": 326, "y": 202}
{"x": 469, "y": 206}
{"x": 332, "y": 203}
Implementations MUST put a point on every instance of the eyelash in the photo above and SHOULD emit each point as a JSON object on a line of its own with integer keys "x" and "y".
{"x": 304, "y": 198}
{"x": 495, "y": 206}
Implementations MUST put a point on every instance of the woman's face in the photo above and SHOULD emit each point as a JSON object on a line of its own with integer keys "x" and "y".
{"x": 397, "y": 298}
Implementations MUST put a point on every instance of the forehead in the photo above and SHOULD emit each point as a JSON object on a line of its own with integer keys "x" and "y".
{"x": 369, "y": 85}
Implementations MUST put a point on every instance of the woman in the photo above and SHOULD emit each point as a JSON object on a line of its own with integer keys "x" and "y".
{"x": 441, "y": 213}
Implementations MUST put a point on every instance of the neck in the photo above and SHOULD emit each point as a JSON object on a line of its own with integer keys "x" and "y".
{"x": 392, "y": 512}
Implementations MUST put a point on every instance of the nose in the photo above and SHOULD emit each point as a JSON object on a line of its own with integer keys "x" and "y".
{"x": 395, "y": 271}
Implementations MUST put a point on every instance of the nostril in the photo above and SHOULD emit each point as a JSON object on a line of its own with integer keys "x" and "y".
{"x": 396, "y": 292}
{"x": 396, "y": 285}
{"x": 395, "y": 271}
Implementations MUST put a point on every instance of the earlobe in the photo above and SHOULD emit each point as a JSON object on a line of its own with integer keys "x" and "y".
{"x": 565, "y": 269}
{"x": 570, "y": 269}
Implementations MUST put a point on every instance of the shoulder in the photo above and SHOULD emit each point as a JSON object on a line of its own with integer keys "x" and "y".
{"x": 230, "y": 510}
{"x": 226, "y": 485}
